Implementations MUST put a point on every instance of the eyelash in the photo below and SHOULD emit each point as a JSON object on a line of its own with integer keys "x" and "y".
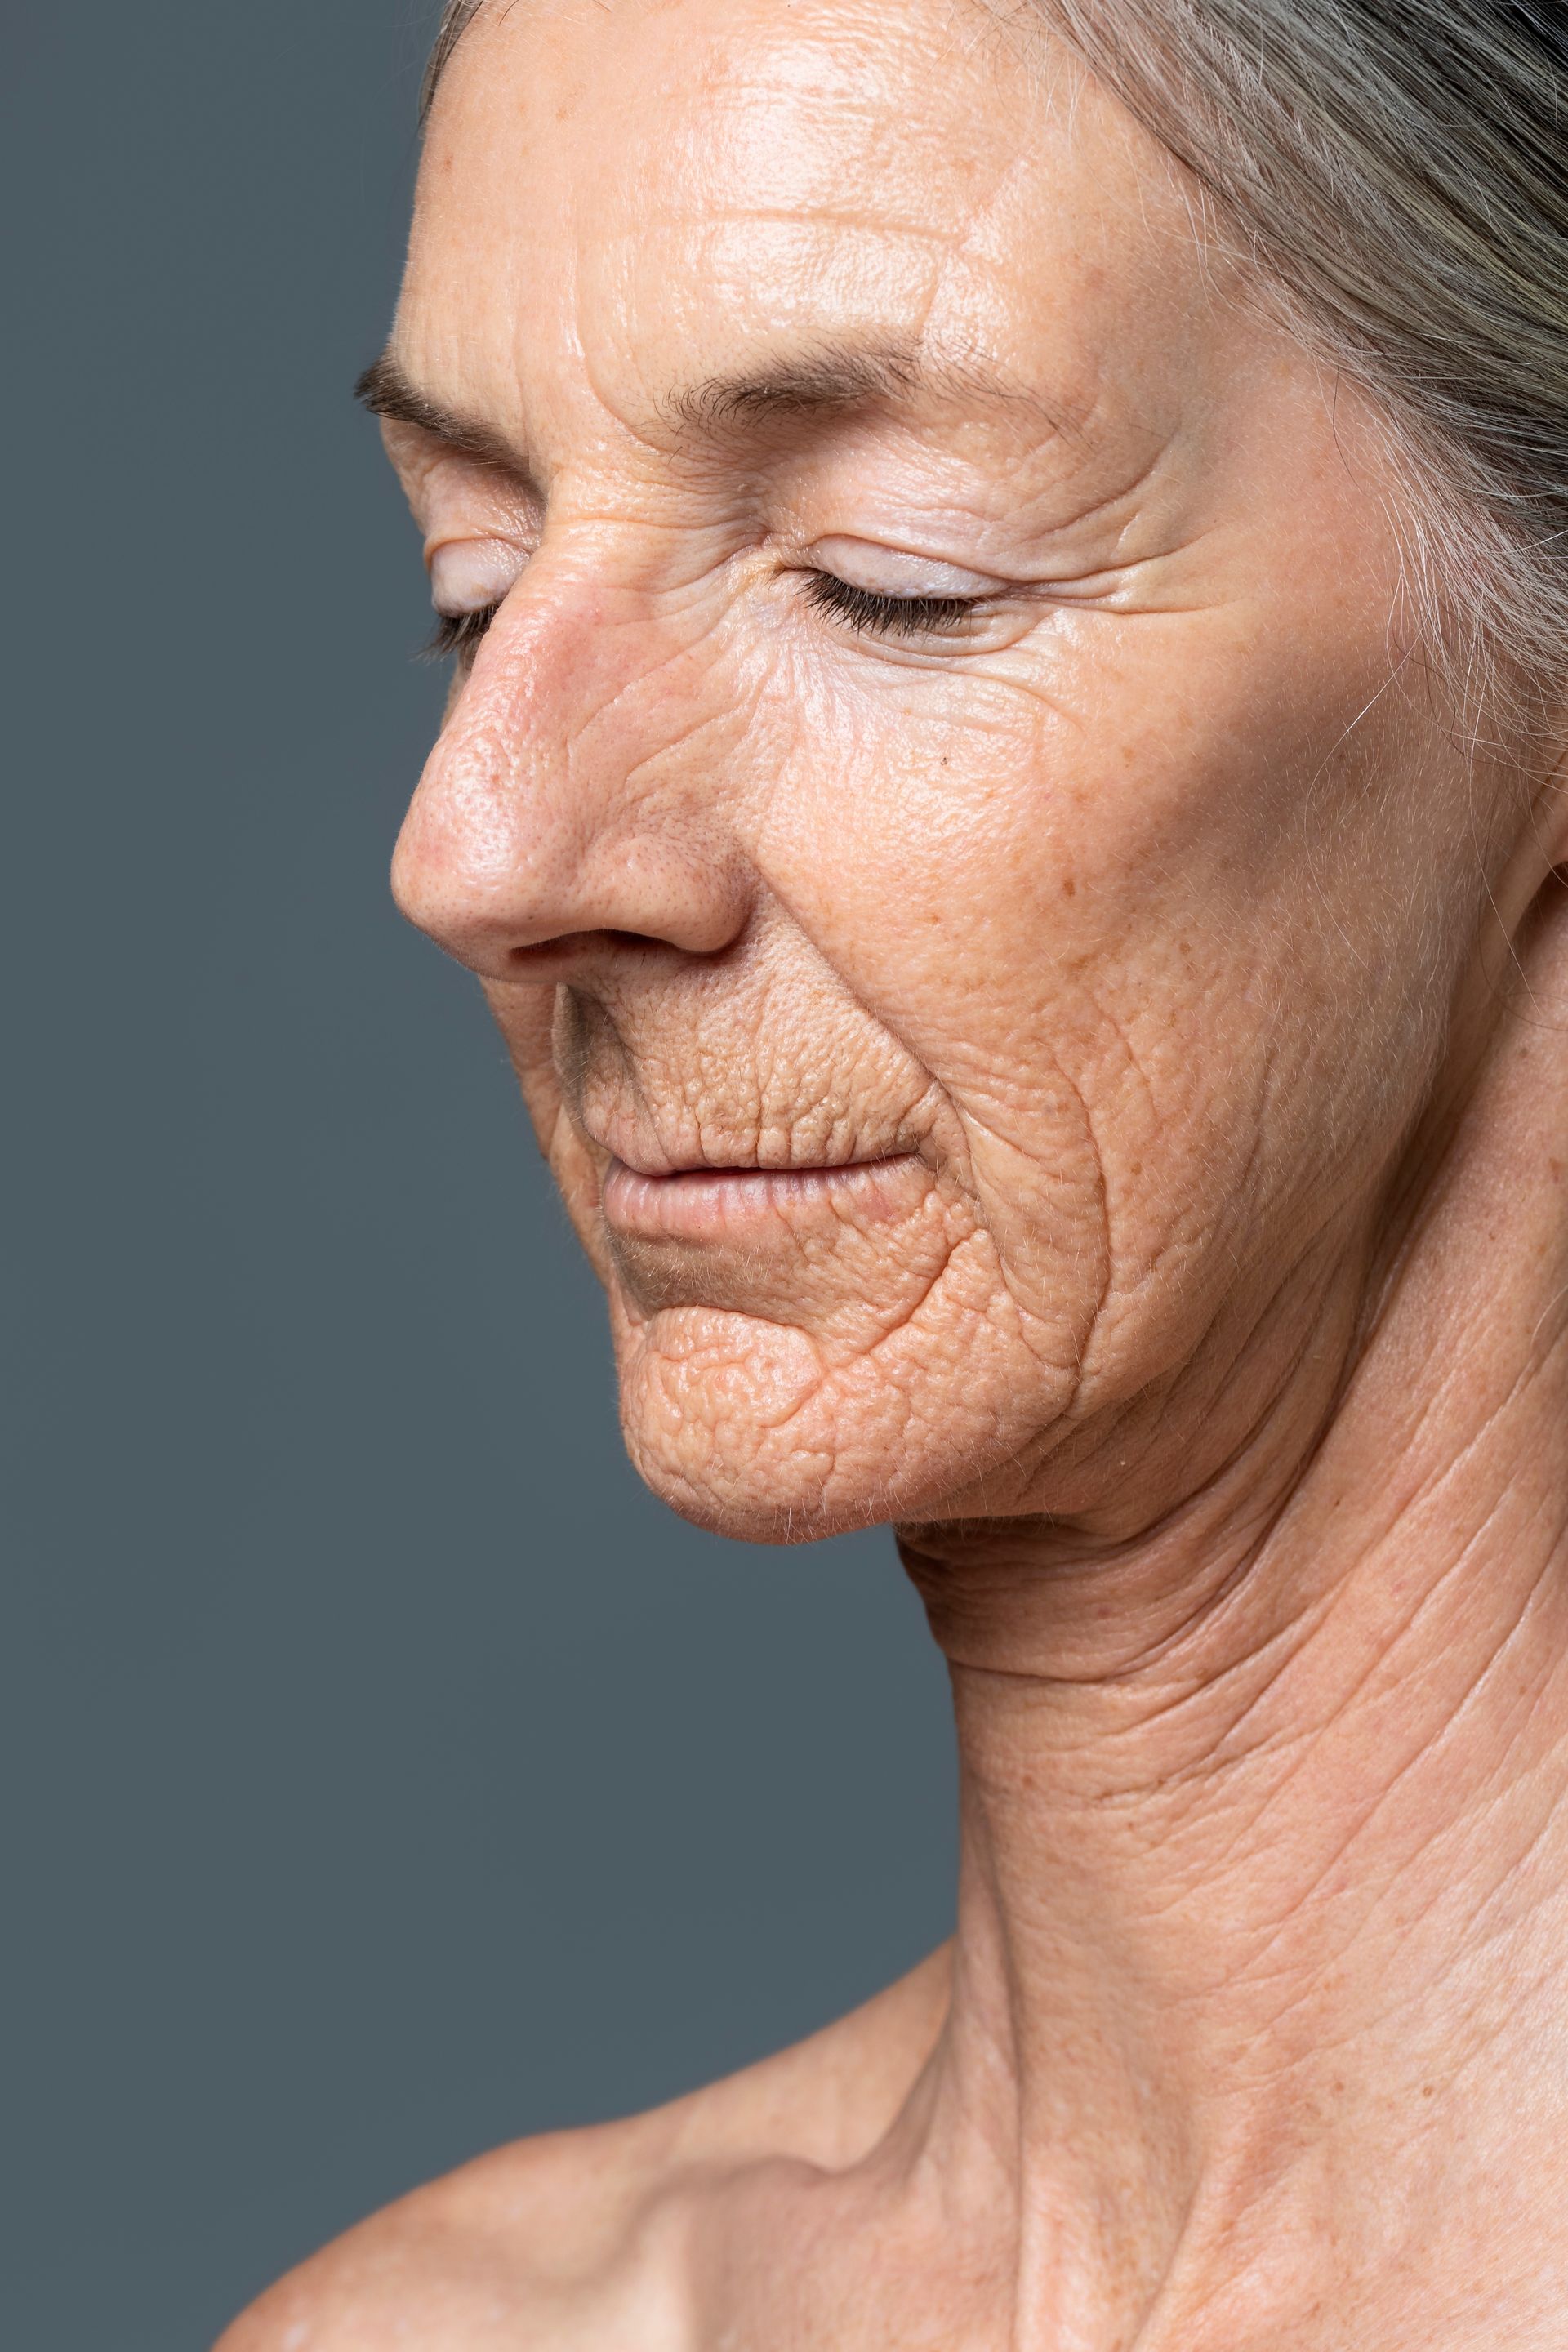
{"x": 458, "y": 635}
{"x": 887, "y": 616}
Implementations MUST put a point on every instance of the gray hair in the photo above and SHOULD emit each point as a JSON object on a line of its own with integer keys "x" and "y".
{"x": 454, "y": 25}
{"x": 1398, "y": 170}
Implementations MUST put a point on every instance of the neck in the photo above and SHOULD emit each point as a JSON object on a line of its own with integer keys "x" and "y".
{"x": 1262, "y": 1907}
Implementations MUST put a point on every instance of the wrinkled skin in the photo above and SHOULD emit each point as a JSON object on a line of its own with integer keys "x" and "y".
{"x": 1113, "y": 917}
{"x": 1008, "y": 1061}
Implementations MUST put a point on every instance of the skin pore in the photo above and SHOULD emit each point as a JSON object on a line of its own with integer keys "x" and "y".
{"x": 1052, "y": 1034}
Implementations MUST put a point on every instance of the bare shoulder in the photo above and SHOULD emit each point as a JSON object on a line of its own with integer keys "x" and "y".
{"x": 571, "y": 2242}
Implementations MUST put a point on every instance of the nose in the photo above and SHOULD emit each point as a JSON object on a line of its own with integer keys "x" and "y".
{"x": 567, "y": 803}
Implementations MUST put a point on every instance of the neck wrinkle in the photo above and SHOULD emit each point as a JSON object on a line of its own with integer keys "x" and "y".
{"x": 1254, "y": 1931}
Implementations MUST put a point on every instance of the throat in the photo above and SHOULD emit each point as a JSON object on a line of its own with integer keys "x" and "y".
{"x": 1259, "y": 1967}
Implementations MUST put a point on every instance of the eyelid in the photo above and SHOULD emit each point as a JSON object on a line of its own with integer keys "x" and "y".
{"x": 467, "y": 576}
{"x": 882, "y": 571}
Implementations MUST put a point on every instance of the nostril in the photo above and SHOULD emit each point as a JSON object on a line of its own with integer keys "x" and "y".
{"x": 553, "y": 956}
{"x": 524, "y": 961}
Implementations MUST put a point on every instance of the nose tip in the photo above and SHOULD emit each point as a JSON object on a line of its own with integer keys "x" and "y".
{"x": 534, "y": 912}
{"x": 549, "y": 817}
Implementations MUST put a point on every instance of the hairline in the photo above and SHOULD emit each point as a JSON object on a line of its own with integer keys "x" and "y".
{"x": 459, "y": 15}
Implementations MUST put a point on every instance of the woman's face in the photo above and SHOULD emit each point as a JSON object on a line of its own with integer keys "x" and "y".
{"x": 942, "y": 754}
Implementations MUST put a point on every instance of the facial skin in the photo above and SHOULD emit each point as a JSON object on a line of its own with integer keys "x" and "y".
{"x": 969, "y": 1045}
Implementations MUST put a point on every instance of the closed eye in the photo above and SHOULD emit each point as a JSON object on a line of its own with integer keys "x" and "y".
{"x": 458, "y": 635}
{"x": 888, "y": 616}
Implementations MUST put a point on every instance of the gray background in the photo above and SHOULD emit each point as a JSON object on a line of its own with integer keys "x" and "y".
{"x": 384, "y": 1774}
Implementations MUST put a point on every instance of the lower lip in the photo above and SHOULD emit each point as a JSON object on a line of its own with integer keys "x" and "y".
{"x": 696, "y": 1204}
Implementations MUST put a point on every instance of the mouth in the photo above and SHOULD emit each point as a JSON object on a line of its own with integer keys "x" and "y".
{"x": 732, "y": 1203}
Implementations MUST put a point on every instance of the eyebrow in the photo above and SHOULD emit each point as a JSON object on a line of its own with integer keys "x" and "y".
{"x": 387, "y": 392}
{"x": 835, "y": 381}
{"x": 821, "y": 382}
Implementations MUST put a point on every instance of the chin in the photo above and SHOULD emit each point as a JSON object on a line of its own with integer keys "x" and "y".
{"x": 736, "y": 1424}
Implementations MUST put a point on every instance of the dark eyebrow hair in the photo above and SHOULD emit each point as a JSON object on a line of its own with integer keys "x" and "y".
{"x": 841, "y": 378}
{"x": 819, "y": 382}
{"x": 386, "y": 391}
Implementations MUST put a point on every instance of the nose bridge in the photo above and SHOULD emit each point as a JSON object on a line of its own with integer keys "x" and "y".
{"x": 557, "y": 801}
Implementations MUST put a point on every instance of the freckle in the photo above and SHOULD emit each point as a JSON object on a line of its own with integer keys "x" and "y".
{"x": 1136, "y": 1169}
{"x": 1069, "y": 888}
{"x": 1183, "y": 947}
{"x": 1556, "y": 1167}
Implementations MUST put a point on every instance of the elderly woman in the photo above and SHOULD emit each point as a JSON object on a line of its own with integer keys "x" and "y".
{"x": 1008, "y": 568}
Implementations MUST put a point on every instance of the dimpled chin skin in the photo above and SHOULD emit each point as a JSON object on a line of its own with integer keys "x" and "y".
{"x": 1120, "y": 923}
{"x": 745, "y": 1425}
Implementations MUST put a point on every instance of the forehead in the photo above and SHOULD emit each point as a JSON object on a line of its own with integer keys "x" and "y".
{"x": 666, "y": 189}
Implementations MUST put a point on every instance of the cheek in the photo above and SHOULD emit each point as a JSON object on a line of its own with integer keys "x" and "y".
{"x": 1125, "y": 911}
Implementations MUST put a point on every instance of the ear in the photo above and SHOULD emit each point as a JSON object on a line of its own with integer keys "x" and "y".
{"x": 1551, "y": 813}
{"x": 1536, "y": 864}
